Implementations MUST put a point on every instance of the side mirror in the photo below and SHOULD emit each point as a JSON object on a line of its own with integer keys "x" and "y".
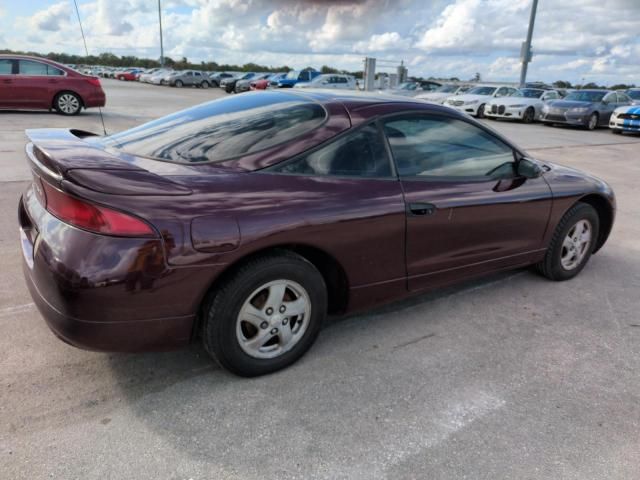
{"x": 528, "y": 169}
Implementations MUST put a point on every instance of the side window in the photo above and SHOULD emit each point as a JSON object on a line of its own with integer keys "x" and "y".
{"x": 610, "y": 98}
{"x": 433, "y": 146}
{"x": 304, "y": 76}
{"x": 197, "y": 74}
{"x": 550, "y": 96}
{"x": 342, "y": 80}
{"x": 502, "y": 92}
{"x": 53, "y": 71}
{"x": 6, "y": 67}
{"x": 27, "y": 67}
{"x": 358, "y": 154}
{"x": 622, "y": 98}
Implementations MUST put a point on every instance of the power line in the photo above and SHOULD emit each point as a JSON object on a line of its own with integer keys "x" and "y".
{"x": 86, "y": 51}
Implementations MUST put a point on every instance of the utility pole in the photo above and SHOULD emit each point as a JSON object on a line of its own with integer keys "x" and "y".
{"x": 161, "y": 46}
{"x": 525, "y": 52}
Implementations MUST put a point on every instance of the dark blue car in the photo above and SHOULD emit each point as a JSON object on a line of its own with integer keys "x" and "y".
{"x": 297, "y": 76}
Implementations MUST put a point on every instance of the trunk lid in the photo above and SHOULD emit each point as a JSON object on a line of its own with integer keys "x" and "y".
{"x": 63, "y": 154}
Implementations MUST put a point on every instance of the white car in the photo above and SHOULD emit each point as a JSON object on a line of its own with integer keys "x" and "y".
{"x": 625, "y": 119}
{"x": 158, "y": 77}
{"x": 475, "y": 100}
{"x": 146, "y": 76}
{"x": 440, "y": 94}
{"x": 330, "y": 80}
{"x": 526, "y": 104}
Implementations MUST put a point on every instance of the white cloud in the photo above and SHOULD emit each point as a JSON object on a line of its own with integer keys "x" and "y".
{"x": 583, "y": 38}
{"x": 52, "y": 19}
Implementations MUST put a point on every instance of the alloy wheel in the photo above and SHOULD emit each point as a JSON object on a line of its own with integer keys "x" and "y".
{"x": 68, "y": 103}
{"x": 273, "y": 319}
{"x": 576, "y": 244}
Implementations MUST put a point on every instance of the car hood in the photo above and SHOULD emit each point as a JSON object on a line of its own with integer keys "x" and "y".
{"x": 635, "y": 109}
{"x": 468, "y": 97}
{"x": 508, "y": 101}
{"x": 569, "y": 104}
{"x": 435, "y": 96}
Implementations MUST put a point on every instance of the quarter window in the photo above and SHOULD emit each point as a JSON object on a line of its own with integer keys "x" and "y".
{"x": 433, "y": 146}
{"x": 357, "y": 154}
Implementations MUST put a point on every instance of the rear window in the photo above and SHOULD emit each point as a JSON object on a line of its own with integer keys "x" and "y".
{"x": 222, "y": 129}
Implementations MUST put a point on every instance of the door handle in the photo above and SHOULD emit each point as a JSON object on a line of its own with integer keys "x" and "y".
{"x": 419, "y": 209}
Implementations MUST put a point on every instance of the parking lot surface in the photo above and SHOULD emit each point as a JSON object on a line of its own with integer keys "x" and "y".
{"x": 511, "y": 376}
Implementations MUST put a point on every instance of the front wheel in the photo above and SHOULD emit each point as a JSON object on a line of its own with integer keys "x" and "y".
{"x": 68, "y": 103}
{"x": 480, "y": 113}
{"x": 592, "y": 123}
{"x": 204, "y": 85}
{"x": 529, "y": 115}
{"x": 179, "y": 83}
{"x": 266, "y": 315}
{"x": 572, "y": 243}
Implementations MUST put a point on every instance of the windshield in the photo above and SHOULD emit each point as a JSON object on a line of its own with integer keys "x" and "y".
{"x": 221, "y": 129}
{"x": 292, "y": 75}
{"x": 482, "y": 91}
{"x": 447, "y": 89}
{"x": 585, "y": 96}
{"x": 529, "y": 93}
{"x": 635, "y": 94}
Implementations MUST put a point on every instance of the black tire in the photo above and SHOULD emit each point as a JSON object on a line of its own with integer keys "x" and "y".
{"x": 591, "y": 123}
{"x": 67, "y": 103}
{"x": 204, "y": 84}
{"x": 224, "y": 304}
{"x": 529, "y": 115}
{"x": 480, "y": 113}
{"x": 616, "y": 131}
{"x": 551, "y": 266}
{"x": 229, "y": 88}
{"x": 179, "y": 83}
{"x": 215, "y": 84}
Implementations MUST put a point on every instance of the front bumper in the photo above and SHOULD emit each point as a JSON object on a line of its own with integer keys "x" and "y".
{"x": 468, "y": 109}
{"x": 625, "y": 124}
{"x": 580, "y": 119}
{"x": 503, "y": 111}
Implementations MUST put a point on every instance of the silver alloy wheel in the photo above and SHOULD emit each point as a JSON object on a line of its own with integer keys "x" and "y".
{"x": 273, "y": 319}
{"x": 593, "y": 121}
{"x": 576, "y": 244}
{"x": 68, "y": 103}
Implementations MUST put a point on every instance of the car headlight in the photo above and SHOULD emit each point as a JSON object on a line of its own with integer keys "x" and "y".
{"x": 579, "y": 110}
{"x": 517, "y": 106}
{"x": 471, "y": 102}
{"x": 615, "y": 114}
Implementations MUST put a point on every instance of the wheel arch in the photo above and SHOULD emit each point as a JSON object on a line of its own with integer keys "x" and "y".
{"x": 329, "y": 267}
{"x": 605, "y": 215}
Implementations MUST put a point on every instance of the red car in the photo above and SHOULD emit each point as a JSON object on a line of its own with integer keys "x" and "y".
{"x": 128, "y": 75}
{"x": 37, "y": 83}
{"x": 245, "y": 220}
{"x": 259, "y": 84}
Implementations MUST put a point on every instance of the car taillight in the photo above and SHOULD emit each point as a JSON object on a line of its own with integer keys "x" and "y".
{"x": 91, "y": 217}
{"x": 94, "y": 81}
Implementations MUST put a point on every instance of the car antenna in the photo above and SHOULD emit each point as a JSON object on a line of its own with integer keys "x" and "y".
{"x": 86, "y": 50}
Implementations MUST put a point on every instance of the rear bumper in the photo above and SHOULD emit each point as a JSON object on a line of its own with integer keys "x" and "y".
{"x": 95, "y": 99}
{"x": 118, "y": 336}
{"x": 105, "y": 293}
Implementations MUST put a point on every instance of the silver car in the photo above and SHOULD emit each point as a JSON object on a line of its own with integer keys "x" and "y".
{"x": 187, "y": 78}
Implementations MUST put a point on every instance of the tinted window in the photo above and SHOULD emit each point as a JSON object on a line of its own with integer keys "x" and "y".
{"x": 222, "y": 129}
{"x": 27, "y": 67}
{"x": 622, "y": 98}
{"x": 54, "y": 71}
{"x": 635, "y": 94}
{"x": 358, "y": 154}
{"x": 6, "y": 67}
{"x": 444, "y": 147}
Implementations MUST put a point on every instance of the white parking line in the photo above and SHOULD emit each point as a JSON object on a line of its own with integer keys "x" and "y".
{"x": 15, "y": 309}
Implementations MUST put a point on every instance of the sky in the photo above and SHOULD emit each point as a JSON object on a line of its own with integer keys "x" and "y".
{"x": 577, "y": 40}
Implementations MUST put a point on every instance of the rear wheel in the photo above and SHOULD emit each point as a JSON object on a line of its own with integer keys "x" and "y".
{"x": 529, "y": 115}
{"x": 571, "y": 244}
{"x": 592, "y": 123}
{"x": 266, "y": 315}
{"x": 179, "y": 83}
{"x": 204, "y": 84}
{"x": 68, "y": 103}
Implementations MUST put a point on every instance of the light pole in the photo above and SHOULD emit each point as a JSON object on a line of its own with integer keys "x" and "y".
{"x": 525, "y": 53}
{"x": 161, "y": 46}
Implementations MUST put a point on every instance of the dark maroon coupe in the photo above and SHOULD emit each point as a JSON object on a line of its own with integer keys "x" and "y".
{"x": 245, "y": 220}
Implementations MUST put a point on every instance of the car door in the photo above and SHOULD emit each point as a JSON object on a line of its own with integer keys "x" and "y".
{"x": 196, "y": 79}
{"x": 31, "y": 86}
{"x": 8, "y": 68}
{"x": 468, "y": 211}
